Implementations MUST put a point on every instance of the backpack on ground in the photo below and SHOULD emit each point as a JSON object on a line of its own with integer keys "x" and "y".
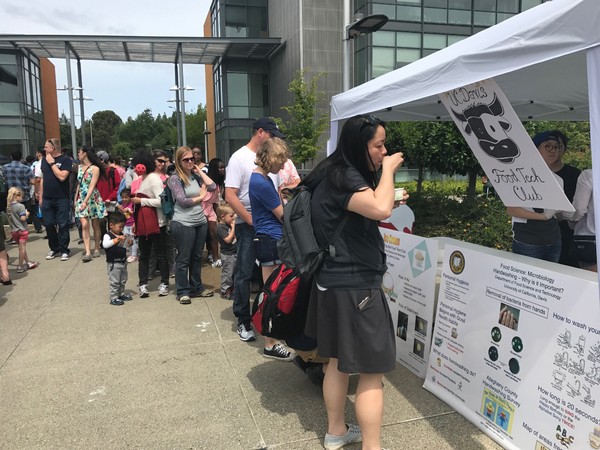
{"x": 279, "y": 310}
{"x": 298, "y": 247}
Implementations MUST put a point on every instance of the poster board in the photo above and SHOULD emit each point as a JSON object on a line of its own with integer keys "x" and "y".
{"x": 529, "y": 379}
{"x": 502, "y": 146}
{"x": 409, "y": 287}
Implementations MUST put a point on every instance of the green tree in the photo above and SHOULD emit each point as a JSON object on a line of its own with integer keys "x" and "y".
{"x": 194, "y": 127}
{"x": 138, "y": 132}
{"x": 65, "y": 130}
{"x": 106, "y": 125}
{"x": 306, "y": 123}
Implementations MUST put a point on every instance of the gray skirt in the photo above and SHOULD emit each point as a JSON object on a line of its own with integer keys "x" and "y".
{"x": 354, "y": 326}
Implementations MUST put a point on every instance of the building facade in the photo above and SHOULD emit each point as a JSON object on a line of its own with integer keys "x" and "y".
{"x": 312, "y": 35}
{"x": 28, "y": 107}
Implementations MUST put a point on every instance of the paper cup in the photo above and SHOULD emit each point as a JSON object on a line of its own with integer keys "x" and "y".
{"x": 398, "y": 194}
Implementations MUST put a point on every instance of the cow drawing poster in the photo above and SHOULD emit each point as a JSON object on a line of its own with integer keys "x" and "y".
{"x": 503, "y": 148}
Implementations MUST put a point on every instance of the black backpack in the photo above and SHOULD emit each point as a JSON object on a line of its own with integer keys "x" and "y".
{"x": 298, "y": 247}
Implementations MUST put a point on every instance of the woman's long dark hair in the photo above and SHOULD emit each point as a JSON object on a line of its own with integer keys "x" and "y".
{"x": 351, "y": 151}
{"x": 214, "y": 173}
{"x": 145, "y": 158}
{"x": 94, "y": 159}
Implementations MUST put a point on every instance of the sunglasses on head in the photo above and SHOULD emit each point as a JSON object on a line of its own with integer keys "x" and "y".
{"x": 162, "y": 161}
{"x": 370, "y": 120}
{"x": 187, "y": 160}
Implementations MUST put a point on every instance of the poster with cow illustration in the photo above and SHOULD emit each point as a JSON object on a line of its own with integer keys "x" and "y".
{"x": 502, "y": 146}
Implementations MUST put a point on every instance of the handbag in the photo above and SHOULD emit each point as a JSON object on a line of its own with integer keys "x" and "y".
{"x": 583, "y": 249}
{"x": 146, "y": 219}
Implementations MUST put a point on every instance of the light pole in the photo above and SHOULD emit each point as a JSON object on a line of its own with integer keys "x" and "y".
{"x": 176, "y": 108}
{"x": 81, "y": 100}
{"x": 70, "y": 90}
{"x": 206, "y": 133}
{"x": 83, "y": 128}
{"x": 180, "y": 102}
{"x": 363, "y": 25}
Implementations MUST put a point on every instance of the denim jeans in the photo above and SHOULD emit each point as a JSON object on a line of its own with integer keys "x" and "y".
{"x": 55, "y": 213}
{"x": 31, "y": 206}
{"x": 145, "y": 244}
{"x": 189, "y": 242}
{"x": 546, "y": 252}
{"x": 242, "y": 274}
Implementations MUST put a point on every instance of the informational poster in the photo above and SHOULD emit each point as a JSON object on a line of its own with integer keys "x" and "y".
{"x": 502, "y": 146}
{"x": 517, "y": 349}
{"x": 409, "y": 286}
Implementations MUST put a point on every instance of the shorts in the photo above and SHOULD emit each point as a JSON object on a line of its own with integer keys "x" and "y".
{"x": 20, "y": 236}
{"x": 265, "y": 250}
{"x": 356, "y": 327}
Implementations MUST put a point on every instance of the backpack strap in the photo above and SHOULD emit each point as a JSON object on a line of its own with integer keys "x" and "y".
{"x": 337, "y": 233}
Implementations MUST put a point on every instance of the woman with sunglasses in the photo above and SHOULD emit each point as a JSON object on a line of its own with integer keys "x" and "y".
{"x": 353, "y": 324}
{"x": 89, "y": 206}
{"x": 189, "y": 185}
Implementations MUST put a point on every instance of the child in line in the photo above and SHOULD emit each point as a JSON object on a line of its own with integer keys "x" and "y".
{"x": 126, "y": 207}
{"x": 226, "y": 238}
{"x": 18, "y": 216}
{"x": 114, "y": 242}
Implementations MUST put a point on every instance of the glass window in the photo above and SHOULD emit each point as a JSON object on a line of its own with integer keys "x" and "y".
{"x": 508, "y": 6}
{"x": 235, "y": 21}
{"x": 257, "y": 22}
{"x": 504, "y": 16}
{"x": 10, "y": 132}
{"x": 10, "y": 109}
{"x": 436, "y": 3}
{"x": 9, "y": 88}
{"x": 409, "y": 13}
{"x": 528, "y": 4}
{"x": 484, "y": 5}
{"x": 360, "y": 67}
{"x": 408, "y": 2}
{"x": 461, "y": 4}
{"x": 383, "y": 61}
{"x": 384, "y": 39}
{"x": 388, "y": 10}
{"x": 407, "y": 55}
{"x": 459, "y": 17}
{"x": 434, "y": 41}
{"x": 8, "y": 58}
{"x": 237, "y": 94}
{"x": 485, "y": 19}
{"x": 452, "y": 39}
{"x": 434, "y": 15}
{"x": 405, "y": 39}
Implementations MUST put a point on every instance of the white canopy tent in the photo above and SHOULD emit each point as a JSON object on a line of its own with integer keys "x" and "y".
{"x": 546, "y": 60}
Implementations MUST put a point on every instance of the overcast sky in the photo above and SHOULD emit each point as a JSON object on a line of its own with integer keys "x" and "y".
{"x": 125, "y": 88}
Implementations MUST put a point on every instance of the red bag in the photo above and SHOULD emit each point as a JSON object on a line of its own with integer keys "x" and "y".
{"x": 146, "y": 219}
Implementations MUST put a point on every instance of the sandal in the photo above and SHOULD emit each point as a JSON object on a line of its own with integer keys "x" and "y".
{"x": 7, "y": 282}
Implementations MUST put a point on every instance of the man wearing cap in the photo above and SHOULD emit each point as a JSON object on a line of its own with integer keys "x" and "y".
{"x": 237, "y": 181}
{"x": 536, "y": 232}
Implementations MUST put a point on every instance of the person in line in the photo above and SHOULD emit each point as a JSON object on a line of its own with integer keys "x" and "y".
{"x": 237, "y": 180}
{"x": 114, "y": 243}
{"x": 209, "y": 204}
{"x": 267, "y": 217}
{"x": 146, "y": 190}
{"x": 18, "y": 214}
{"x": 536, "y": 232}
{"x": 4, "y": 274}
{"x": 89, "y": 207}
{"x": 55, "y": 199}
{"x": 21, "y": 176}
{"x": 226, "y": 237}
{"x": 126, "y": 207}
{"x": 353, "y": 325}
{"x": 584, "y": 223}
{"x": 189, "y": 185}
{"x": 569, "y": 176}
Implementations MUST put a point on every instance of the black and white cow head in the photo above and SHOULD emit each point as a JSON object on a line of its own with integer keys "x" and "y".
{"x": 489, "y": 127}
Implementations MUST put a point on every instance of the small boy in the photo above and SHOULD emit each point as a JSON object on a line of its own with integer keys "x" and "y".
{"x": 116, "y": 258}
{"x": 226, "y": 238}
{"x": 18, "y": 216}
{"x": 126, "y": 207}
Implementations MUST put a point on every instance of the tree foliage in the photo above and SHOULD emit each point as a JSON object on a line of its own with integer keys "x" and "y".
{"x": 306, "y": 122}
{"x": 105, "y": 123}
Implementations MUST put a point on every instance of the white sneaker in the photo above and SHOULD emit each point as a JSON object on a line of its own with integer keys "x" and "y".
{"x": 144, "y": 293}
{"x": 245, "y": 332}
{"x": 132, "y": 259}
{"x": 64, "y": 257}
{"x": 51, "y": 255}
{"x": 163, "y": 290}
{"x": 217, "y": 263}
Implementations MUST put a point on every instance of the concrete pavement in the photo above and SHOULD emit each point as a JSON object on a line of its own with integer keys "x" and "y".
{"x": 76, "y": 372}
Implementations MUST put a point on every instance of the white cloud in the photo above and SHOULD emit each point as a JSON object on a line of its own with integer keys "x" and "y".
{"x": 126, "y": 88}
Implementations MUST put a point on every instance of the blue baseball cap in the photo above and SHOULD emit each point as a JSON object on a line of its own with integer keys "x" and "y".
{"x": 545, "y": 136}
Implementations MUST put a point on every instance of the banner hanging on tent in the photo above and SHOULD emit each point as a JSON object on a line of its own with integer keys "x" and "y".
{"x": 502, "y": 146}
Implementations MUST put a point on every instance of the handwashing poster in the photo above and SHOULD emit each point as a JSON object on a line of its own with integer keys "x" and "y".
{"x": 409, "y": 286}
{"x": 517, "y": 350}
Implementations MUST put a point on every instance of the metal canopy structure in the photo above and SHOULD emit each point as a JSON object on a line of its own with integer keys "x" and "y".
{"x": 141, "y": 49}
{"x": 145, "y": 49}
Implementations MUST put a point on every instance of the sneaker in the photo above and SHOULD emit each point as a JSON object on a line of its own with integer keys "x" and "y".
{"x": 279, "y": 352}
{"x": 144, "y": 293}
{"x": 32, "y": 264}
{"x": 210, "y": 259}
{"x": 217, "y": 263}
{"x": 86, "y": 258}
{"x": 52, "y": 254}
{"x": 228, "y": 294}
{"x": 125, "y": 297}
{"x": 11, "y": 241}
{"x": 132, "y": 259}
{"x": 96, "y": 254}
{"x": 163, "y": 290}
{"x": 116, "y": 302}
{"x": 245, "y": 332}
{"x": 206, "y": 293}
{"x": 80, "y": 241}
{"x": 185, "y": 300}
{"x": 336, "y": 442}
{"x": 64, "y": 257}
{"x": 23, "y": 268}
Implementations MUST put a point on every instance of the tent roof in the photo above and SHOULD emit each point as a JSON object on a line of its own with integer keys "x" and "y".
{"x": 535, "y": 57}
